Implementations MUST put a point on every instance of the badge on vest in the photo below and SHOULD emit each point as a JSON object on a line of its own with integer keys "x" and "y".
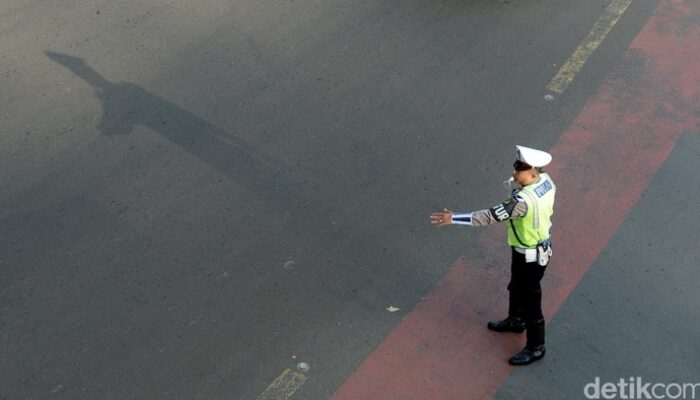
{"x": 542, "y": 189}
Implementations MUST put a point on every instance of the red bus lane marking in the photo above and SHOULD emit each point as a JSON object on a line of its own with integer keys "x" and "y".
{"x": 602, "y": 164}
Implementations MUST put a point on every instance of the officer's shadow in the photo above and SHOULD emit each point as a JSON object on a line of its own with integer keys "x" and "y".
{"x": 125, "y": 106}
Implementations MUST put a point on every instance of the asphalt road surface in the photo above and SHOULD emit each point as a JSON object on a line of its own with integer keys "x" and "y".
{"x": 196, "y": 196}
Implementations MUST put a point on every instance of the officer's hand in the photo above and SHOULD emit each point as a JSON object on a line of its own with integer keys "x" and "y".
{"x": 441, "y": 218}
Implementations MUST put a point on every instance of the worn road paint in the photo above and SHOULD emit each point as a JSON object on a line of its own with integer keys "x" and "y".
{"x": 602, "y": 164}
{"x": 600, "y": 30}
{"x": 284, "y": 386}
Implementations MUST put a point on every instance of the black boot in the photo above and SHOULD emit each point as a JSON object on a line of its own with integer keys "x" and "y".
{"x": 534, "y": 350}
{"x": 527, "y": 356}
{"x": 535, "y": 334}
{"x": 510, "y": 324}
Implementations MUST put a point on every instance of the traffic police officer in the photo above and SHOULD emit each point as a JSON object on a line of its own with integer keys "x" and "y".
{"x": 527, "y": 213}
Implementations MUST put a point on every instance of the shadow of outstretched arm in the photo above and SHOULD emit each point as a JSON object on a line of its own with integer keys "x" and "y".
{"x": 78, "y": 66}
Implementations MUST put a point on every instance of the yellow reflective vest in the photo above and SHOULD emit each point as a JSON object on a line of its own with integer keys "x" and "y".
{"x": 534, "y": 227}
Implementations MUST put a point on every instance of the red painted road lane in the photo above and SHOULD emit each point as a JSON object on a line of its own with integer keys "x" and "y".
{"x": 603, "y": 163}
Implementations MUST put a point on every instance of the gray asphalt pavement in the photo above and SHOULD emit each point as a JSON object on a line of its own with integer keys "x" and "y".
{"x": 195, "y": 196}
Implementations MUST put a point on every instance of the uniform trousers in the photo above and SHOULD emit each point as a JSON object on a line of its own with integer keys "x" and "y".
{"x": 525, "y": 299}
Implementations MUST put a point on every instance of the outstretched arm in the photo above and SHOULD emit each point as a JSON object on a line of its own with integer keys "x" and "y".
{"x": 511, "y": 208}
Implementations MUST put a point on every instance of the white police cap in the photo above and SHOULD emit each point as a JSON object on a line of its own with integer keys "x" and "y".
{"x": 533, "y": 157}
